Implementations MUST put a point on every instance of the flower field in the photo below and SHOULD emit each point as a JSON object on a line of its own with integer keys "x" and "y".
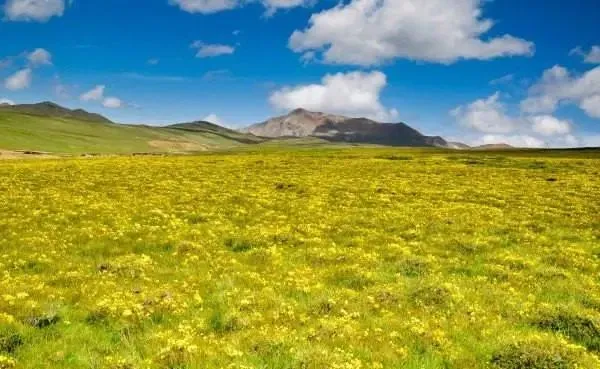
{"x": 328, "y": 258}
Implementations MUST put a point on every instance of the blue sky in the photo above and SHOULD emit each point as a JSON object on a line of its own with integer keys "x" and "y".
{"x": 526, "y": 73}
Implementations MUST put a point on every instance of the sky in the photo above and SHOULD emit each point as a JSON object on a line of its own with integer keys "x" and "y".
{"x": 525, "y": 73}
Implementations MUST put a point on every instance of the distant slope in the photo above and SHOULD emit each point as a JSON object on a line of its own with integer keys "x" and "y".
{"x": 50, "y": 109}
{"x": 499, "y": 146}
{"x": 458, "y": 146}
{"x": 211, "y": 128}
{"x": 335, "y": 128}
{"x": 58, "y": 134}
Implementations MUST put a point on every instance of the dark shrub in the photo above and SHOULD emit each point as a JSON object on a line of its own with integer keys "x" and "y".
{"x": 239, "y": 245}
{"x": 220, "y": 322}
{"x": 351, "y": 279}
{"x": 533, "y": 356}
{"x": 432, "y": 296}
{"x": 10, "y": 340}
{"x": 412, "y": 267}
{"x": 43, "y": 321}
{"x": 579, "y": 329}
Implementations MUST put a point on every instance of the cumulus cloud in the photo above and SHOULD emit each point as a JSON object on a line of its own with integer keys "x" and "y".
{"x": 95, "y": 94}
{"x": 6, "y": 102}
{"x": 592, "y": 56}
{"x": 486, "y": 115}
{"x": 33, "y": 10}
{"x": 19, "y": 81}
{"x": 112, "y": 103}
{"x": 591, "y": 105}
{"x": 353, "y": 93}
{"x": 211, "y": 50}
{"x": 370, "y": 32}
{"x": 558, "y": 85}
{"x": 489, "y": 117}
{"x": 548, "y": 125}
{"x": 39, "y": 57}
{"x": 214, "y": 6}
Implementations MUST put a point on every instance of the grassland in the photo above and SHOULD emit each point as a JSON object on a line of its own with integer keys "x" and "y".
{"x": 61, "y": 135}
{"x": 347, "y": 258}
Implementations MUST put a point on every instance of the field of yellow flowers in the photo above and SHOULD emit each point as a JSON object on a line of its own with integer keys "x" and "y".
{"x": 304, "y": 259}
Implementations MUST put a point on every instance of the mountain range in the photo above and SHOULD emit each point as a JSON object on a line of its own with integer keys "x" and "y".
{"x": 50, "y": 127}
{"x": 337, "y": 128}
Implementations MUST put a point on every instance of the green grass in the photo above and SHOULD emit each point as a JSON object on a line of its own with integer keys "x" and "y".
{"x": 302, "y": 258}
{"x": 62, "y": 135}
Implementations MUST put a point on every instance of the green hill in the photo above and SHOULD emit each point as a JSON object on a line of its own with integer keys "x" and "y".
{"x": 50, "y": 128}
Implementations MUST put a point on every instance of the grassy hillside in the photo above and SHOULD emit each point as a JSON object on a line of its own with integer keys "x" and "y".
{"x": 302, "y": 259}
{"x": 19, "y": 131}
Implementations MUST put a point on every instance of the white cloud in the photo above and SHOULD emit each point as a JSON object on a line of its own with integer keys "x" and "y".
{"x": 354, "y": 94}
{"x": 489, "y": 116}
{"x": 512, "y": 140}
{"x": 592, "y": 56}
{"x": 214, "y": 6}
{"x": 273, "y": 5}
{"x": 112, "y": 103}
{"x": 369, "y": 32}
{"x": 503, "y": 80}
{"x": 205, "y": 6}
{"x": 39, "y": 57}
{"x": 213, "y": 118}
{"x": 590, "y": 141}
{"x": 19, "y": 81}
{"x": 486, "y": 115}
{"x": 548, "y": 125}
{"x": 591, "y": 105}
{"x": 33, "y": 10}
{"x": 211, "y": 50}
{"x": 153, "y": 61}
{"x": 558, "y": 85}
{"x": 152, "y": 78}
{"x": 95, "y": 94}
{"x": 6, "y": 102}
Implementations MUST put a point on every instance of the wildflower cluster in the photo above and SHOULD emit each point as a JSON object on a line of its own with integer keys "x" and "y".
{"x": 330, "y": 258}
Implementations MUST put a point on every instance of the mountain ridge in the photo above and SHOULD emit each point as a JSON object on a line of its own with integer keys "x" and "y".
{"x": 47, "y": 126}
{"x": 337, "y": 128}
{"x": 50, "y": 109}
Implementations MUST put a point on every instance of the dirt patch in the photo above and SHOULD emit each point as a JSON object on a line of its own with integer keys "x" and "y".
{"x": 8, "y": 154}
{"x": 177, "y": 145}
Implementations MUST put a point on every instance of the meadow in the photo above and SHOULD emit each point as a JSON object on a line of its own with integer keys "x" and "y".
{"x": 302, "y": 259}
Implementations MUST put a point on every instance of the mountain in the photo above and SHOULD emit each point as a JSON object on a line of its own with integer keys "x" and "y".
{"x": 50, "y": 109}
{"x": 298, "y": 123}
{"x": 47, "y": 127}
{"x": 51, "y": 128}
{"x": 336, "y": 128}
